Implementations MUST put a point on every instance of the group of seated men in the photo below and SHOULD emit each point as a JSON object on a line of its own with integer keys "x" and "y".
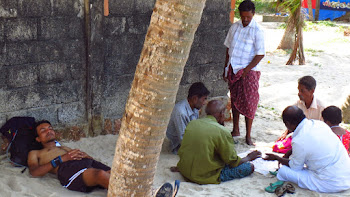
{"x": 207, "y": 153}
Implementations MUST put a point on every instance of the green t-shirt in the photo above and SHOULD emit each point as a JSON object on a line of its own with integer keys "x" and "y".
{"x": 206, "y": 148}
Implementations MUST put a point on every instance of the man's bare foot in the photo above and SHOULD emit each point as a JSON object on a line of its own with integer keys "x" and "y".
{"x": 174, "y": 169}
{"x": 249, "y": 142}
{"x": 235, "y": 133}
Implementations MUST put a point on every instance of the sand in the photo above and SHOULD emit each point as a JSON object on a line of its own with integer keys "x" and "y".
{"x": 327, "y": 59}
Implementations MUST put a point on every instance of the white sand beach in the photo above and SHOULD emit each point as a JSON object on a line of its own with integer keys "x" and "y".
{"x": 327, "y": 60}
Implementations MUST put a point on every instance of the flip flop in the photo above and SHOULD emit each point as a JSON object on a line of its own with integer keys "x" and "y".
{"x": 272, "y": 187}
{"x": 274, "y": 173}
{"x": 176, "y": 187}
{"x": 166, "y": 190}
{"x": 285, "y": 188}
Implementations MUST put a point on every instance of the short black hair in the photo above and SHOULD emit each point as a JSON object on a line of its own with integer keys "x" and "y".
{"x": 39, "y": 123}
{"x": 332, "y": 114}
{"x": 293, "y": 115}
{"x": 246, "y": 5}
{"x": 308, "y": 81}
{"x": 198, "y": 89}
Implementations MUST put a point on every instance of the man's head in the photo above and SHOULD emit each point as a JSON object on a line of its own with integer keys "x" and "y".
{"x": 44, "y": 132}
{"x": 292, "y": 116}
{"x": 197, "y": 95}
{"x": 216, "y": 108}
{"x": 246, "y": 11}
{"x": 306, "y": 87}
{"x": 332, "y": 115}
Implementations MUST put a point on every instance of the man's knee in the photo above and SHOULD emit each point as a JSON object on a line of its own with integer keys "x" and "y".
{"x": 93, "y": 176}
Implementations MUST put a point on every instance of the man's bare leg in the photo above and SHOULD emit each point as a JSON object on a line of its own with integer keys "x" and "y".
{"x": 235, "y": 119}
{"x": 94, "y": 177}
{"x": 248, "y": 125}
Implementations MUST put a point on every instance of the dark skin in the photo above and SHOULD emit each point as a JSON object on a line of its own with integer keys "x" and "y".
{"x": 336, "y": 129}
{"x": 246, "y": 17}
{"x": 305, "y": 95}
{"x": 219, "y": 114}
{"x": 196, "y": 101}
{"x": 39, "y": 160}
{"x": 291, "y": 127}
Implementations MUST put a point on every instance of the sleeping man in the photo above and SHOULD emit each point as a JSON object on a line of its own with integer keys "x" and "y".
{"x": 75, "y": 169}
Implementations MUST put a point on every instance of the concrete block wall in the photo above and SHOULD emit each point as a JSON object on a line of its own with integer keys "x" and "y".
{"x": 75, "y": 68}
{"x": 42, "y": 61}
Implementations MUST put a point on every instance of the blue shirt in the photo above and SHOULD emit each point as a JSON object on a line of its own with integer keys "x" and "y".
{"x": 182, "y": 114}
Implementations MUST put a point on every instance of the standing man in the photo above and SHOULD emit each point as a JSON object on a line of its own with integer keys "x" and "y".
{"x": 245, "y": 49}
{"x": 185, "y": 111}
{"x": 319, "y": 161}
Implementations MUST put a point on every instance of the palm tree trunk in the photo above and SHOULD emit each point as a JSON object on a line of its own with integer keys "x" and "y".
{"x": 346, "y": 111}
{"x": 287, "y": 41}
{"x": 152, "y": 95}
{"x": 298, "y": 44}
{"x": 317, "y": 10}
{"x": 309, "y": 8}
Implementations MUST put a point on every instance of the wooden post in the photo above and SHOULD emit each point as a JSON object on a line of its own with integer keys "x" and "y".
{"x": 232, "y": 13}
{"x": 105, "y": 8}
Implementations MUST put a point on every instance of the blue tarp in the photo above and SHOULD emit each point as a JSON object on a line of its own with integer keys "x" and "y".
{"x": 330, "y": 9}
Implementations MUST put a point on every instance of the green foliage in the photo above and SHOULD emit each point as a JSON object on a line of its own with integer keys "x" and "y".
{"x": 261, "y": 6}
{"x": 313, "y": 52}
{"x": 318, "y": 25}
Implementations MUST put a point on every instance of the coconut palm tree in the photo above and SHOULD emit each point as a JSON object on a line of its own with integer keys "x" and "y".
{"x": 346, "y": 111}
{"x": 152, "y": 96}
{"x": 294, "y": 32}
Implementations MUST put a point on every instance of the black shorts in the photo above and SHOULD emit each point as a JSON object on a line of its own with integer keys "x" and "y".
{"x": 70, "y": 173}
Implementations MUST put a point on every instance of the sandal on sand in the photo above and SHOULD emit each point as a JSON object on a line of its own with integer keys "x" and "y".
{"x": 166, "y": 190}
{"x": 274, "y": 173}
{"x": 285, "y": 188}
{"x": 176, "y": 187}
{"x": 272, "y": 187}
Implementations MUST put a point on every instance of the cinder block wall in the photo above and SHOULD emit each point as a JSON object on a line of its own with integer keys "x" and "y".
{"x": 75, "y": 67}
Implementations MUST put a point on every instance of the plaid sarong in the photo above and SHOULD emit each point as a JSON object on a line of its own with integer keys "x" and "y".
{"x": 244, "y": 91}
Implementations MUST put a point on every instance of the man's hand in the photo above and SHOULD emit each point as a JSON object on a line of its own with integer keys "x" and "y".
{"x": 245, "y": 72}
{"x": 253, "y": 155}
{"x": 284, "y": 135}
{"x": 270, "y": 157}
{"x": 224, "y": 75}
{"x": 74, "y": 154}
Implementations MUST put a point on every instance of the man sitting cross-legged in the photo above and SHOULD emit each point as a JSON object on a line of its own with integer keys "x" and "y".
{"x": 207, "y": 153}
{"x": 319, "y": 161}
{"x": 75, "y": 169}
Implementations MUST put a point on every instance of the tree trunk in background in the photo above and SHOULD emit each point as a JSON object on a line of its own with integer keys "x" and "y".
{"x": 152, "y": 95}
{"x": 288, "y": 38}
{"x": 317, "y": 10}
{"x": 346, "y": 111}
{"x": 298, "y": 49}
{"x": 309, "y": 8}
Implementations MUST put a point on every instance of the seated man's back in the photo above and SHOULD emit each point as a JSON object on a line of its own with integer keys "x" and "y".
{"x": 206, "y": 148}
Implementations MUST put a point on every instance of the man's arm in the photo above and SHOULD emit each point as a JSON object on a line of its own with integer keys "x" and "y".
{"x": 37, "y": 170}
{"x": 273, "y": 157}
{"x": 250, "y": 157}
{"x": 224, "y": 75}
{"x": 252, "y": 64}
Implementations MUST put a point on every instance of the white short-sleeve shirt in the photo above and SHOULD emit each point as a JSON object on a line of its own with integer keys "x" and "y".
{"x": 244, "y": 44}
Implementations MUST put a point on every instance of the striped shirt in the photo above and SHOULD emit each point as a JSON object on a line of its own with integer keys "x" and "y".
{"x": 244, "y": 44}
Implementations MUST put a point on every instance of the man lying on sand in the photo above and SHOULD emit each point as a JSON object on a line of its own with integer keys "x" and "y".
{"x": 207, "y": 153}
{"x": 314, "y": 145}
{"x": 75, "y": 169}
